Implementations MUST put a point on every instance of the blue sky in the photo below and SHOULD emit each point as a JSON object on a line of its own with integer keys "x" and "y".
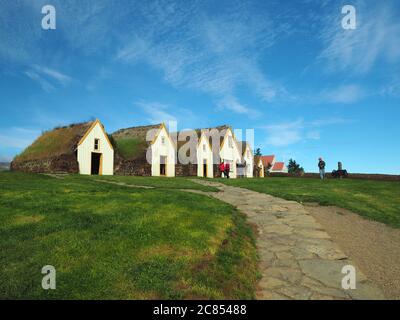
{"x": 288, "y": 69}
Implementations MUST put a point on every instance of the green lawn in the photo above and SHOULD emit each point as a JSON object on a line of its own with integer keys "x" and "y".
{"x": 377, "y": 200}
{"x": 113, "y": 242}
{"x": 158, "y": 182}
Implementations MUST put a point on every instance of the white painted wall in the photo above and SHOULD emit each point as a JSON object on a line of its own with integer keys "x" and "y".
{"x": 163, "y": 146}
{"x": 261, "y": 166}
{"x": 230, "y": 153}
{"x": 249, "y": 158}
{"x": 204, "y": 152}
{"x": 283, "y": 170}
{"x": 86, "y": 148}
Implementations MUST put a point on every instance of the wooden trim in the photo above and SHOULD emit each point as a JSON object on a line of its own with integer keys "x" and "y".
{"x": 101, "y": 165}
{"x": 208, "y": 140}
{"x": 162, "y": 126}
{"x": 98, "y": 144}
{"x": 97, "y": 121}
{"x": 234, "y": 140}
{"x": 166, "y": 167}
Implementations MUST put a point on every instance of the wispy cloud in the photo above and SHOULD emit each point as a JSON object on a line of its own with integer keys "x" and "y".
{"x": 392, "y": 88}
{"x": 18, "y": 138}
{"x": 53, "y": 74}
{"x": 46, "y": 86}
{"x": 156, "y": 112}
{"x": 232, "y": 104}
{"x": 356, "y": 51}
{"x": 291, "y": 132}
{"x": 342, "y": 94}
{"x": 214, "y": 54}
{"x": 47, "y": 78}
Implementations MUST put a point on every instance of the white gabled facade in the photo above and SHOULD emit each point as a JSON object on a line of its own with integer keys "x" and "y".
{"x": 204, "y": 157}
{"x": 229, "y": 152}
{"x": 248, "y": 159}
{"x": 163, "y": 154}
{"x": 95, "y": 153}
{"x": 259, "y": 167}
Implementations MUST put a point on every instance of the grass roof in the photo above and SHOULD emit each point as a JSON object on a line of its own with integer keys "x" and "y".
{"x": 130, "y": 148}
{"x": 131, "y": 143}
{"x": 54, "y": 143}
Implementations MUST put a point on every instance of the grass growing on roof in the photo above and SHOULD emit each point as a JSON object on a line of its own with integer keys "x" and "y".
{"x": 376, "y": 200}
{"x": 130, "y": 148}
{"x": 113, "y": 242}
{"x": 54, "y": 143}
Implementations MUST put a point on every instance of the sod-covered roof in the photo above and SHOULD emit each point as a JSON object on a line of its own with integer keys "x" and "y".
{"x": 243, "y": 145}
{"x": 207, "y": 131}
{"x": 56, "y": 142}
{"x": 132, "y": 143}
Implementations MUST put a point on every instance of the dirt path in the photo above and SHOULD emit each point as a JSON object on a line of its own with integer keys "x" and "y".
{"x": 298, "y": 259}
{"x": 373, "y": 246}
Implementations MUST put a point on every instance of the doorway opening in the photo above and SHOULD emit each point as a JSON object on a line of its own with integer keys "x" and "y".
{"x": 96, "y": 163}
{"x": 204, "y": 168}
{"x": 163, "y": 166}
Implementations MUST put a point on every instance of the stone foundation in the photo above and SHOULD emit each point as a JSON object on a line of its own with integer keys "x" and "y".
{"x": 137, "y": 167}
{"x": 61, "y": 164}
{"x": 186, "y": 170}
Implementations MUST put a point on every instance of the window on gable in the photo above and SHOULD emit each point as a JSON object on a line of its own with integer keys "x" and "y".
{"x": 248, "y": 154}
{"x": 96, "y": 144}
{"x": 162, "y": 140}
{"x": 204, "y": 147}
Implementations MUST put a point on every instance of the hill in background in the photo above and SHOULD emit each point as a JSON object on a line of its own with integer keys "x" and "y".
{"x": 4, "y": 166}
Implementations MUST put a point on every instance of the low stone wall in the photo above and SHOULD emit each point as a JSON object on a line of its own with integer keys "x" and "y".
{"x": 365, "y": 176}
{"x": 61, "y": 164}
{"x": 186, "y": 170}
{"x": 137, "y": 167}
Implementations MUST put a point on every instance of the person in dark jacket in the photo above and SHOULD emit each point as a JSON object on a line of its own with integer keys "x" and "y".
{"x": 321, "y": 166}
{"x": 227, "y": 169}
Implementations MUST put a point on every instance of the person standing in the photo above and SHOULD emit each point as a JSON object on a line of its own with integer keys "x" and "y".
{"x": 321, "y": 166}
{"x": 221, "y": 168}
{"x": 227, "y": 169}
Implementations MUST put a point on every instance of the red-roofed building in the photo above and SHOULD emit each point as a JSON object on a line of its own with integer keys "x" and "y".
{"x": 279, "y": 167}
{"x": 268, "y": 160}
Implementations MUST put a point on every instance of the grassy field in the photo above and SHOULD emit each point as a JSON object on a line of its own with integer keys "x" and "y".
{"x": 113, "y": 242}
{"x": 157, "y": 182}
{"x": 377, "y": 200}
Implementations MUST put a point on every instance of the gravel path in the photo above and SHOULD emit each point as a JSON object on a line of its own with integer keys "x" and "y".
{"x": 298, "y": 259}
{"x": 375, "y": 247}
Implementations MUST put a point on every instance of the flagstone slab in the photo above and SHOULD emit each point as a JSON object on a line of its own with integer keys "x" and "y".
{"x": 298, "y": 259}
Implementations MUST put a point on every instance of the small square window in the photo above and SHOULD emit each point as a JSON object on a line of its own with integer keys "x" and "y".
{"x": 204, "y": 147}
{"x": 96, "y": 144}
{"x": 230, "y": 141}
{"x": 162, "y": 140}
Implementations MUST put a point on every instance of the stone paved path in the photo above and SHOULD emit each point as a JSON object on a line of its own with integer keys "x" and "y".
{"x": 298, "y": 259}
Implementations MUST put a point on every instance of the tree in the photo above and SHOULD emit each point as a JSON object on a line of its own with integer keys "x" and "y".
{"x": 257, "y": 152}
{"x": 267, "y": 168}
{"x": 294, "y": 168}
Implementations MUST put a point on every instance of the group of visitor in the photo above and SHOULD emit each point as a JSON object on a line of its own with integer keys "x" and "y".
{"x": 224, "y": 168}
